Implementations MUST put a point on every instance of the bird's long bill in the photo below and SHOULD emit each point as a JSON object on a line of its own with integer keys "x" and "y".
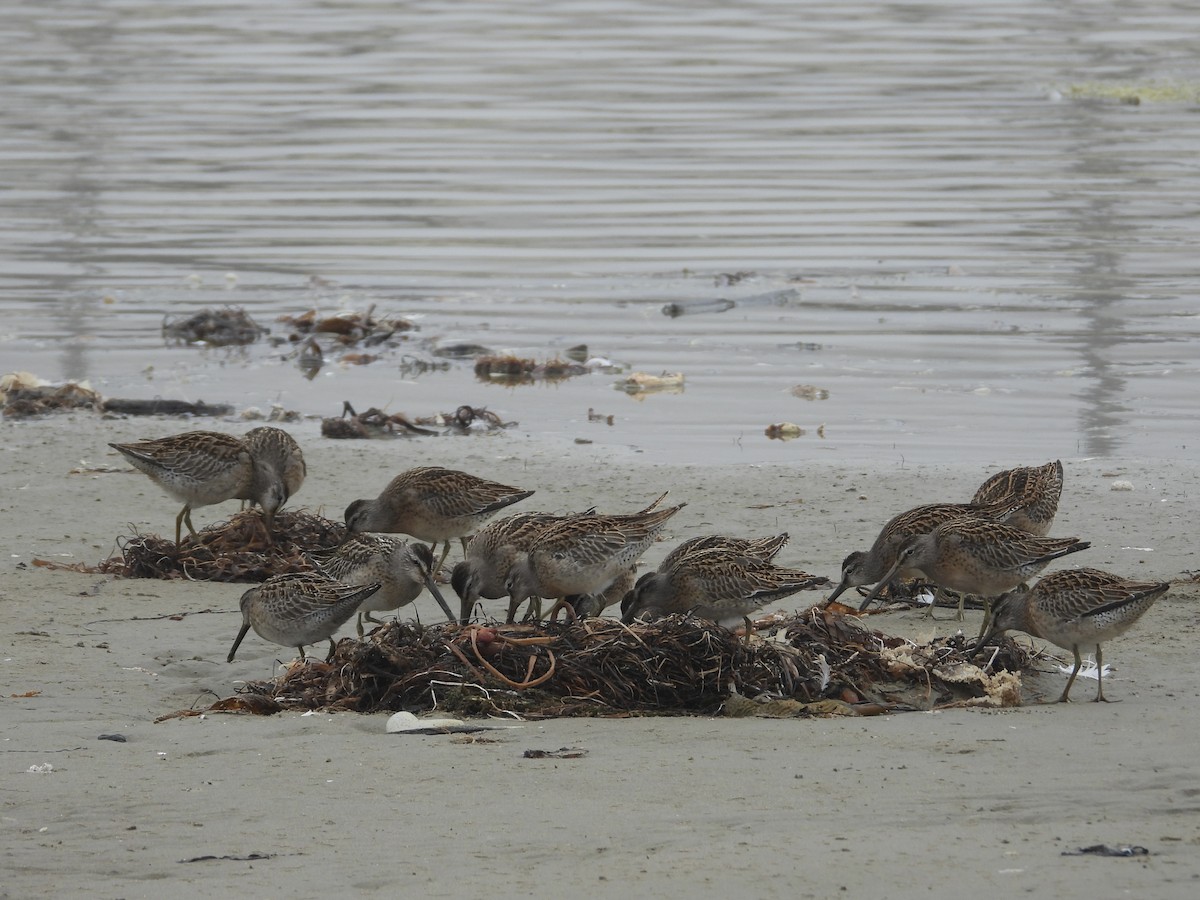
{"x": 883, "y": 582}
{"x": 437, "y": 595}
{"x": 837, "y": 591}
{"x": 991, "y": 632}
{"x": 237, "y": 642}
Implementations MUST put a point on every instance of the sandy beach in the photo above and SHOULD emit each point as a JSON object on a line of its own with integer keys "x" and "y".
{"x": 898, "y": 805}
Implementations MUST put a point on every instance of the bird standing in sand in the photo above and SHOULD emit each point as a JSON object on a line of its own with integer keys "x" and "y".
{"x": 1077, "y": 609}
{"x": 868, "y": 567}
{"x": 977, "y": 556}
{"x": 490, "y": 555}
{"x": 200, "y": 468}
{"x": 276, "y": 448}
{"x": 582, "y": 554}
{"x": 1033, "y": 491}
{"x": 718, "y": 578}
{"x": 402, "y": 570}
{"x": 433, "y": 504}
{"x": 299, "y": 608}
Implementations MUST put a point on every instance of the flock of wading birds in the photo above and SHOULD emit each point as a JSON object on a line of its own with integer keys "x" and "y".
{"x": 586, "y": 561}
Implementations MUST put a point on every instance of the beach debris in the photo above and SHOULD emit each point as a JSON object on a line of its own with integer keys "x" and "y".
{"x": 405, "y": 722}
{"x": 310, "y": 358}
{"x": 231, "y": 326}
{"x": 24, "y": 394}
{"x": 119, "y": 738}
{"x": 1123, "y": 850}
{"x": 510, "y": 370}
{"x": 594, "y": 416}
{"x": 1121, "y": 486}
{"x": 578, "y": 353}
{"x": 371, "y": 423}
{"x": 249, "y": 857}
{"x": 465, "y": 418}
{"x": 676, "y": 665}
{"x": 161, "y": 407}
{"x": 346, "y": 328}
{"x": 229, "y": 551}
{"x": 810, "y": 392}
{"x": 560, "y": 753}
{"x": 411, "y": 366}
{"x": 784, "y": 431}
{"x": 640, "y": 384}
{"x": 694, "y": 307}
{"x": 461, "y": 351}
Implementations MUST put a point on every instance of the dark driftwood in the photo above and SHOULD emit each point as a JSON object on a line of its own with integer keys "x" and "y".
{"x": 161, "y": 407}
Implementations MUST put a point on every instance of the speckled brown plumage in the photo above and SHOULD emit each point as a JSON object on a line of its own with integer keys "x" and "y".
{"x": 868, "y": 567}
{"x": 720, "y": 578}
{"x": 1033, "y": 491}
{"x": 402, "y": 570}
{"x": 298, "y": 609}
{"x": 1077, "y": 609}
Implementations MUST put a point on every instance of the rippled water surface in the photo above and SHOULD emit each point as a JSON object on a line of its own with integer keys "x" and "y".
{"x": 943, "y": 214}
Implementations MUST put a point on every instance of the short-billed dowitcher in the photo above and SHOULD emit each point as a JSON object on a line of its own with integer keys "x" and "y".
{"x": 403, "y": 570}
{"x": 299, "y": 608}
{"x": 1033, "y": 491}
{"x": 867, "y": 567}
{"x": 722, "y": 582}
{"x": 1077, "y": 609}
{"x": 200, "y": 468}
{"x": 976, "y": 556}
{"x": 433, "y": 504}
{"x": 276, "y": 448}
{"x": 587, "y": 606}
{"x": 490, "y": 554}
{"x": 582, "y": 555}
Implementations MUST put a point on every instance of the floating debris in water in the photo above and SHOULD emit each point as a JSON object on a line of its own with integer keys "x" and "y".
{"x": 231, "y": 326}
{"x": 810, "y": 392}
{"x": 511, "y": 370}
{"x": 639, "y": 384}
{"x": 784, "y": 431}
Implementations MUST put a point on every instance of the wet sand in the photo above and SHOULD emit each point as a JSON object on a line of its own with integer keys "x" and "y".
{"x": 899, "y": 805}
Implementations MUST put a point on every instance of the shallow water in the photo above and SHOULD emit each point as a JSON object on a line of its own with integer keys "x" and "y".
{"x": 985, "y": 257}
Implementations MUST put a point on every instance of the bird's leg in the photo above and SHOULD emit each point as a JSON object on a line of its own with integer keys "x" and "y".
{"x": 987, "y": 616}
{"x": 332, "y": 650}
{"x": 1100, "y": 698}
{"x": 359, "y": 625}
{"x": 442, "y": 558}
{"x": 1070, "y": 681}
{"x": 749, "y": 628}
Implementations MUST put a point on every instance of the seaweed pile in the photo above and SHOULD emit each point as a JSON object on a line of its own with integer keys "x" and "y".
{"x": 235, "y": 550}
{"x": 231, "y": 326}
{"x": 599, "y": 667}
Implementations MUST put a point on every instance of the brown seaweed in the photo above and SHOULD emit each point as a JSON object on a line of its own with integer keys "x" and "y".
{"x": 234, "y": 550}
{"x": 677, "y": 665}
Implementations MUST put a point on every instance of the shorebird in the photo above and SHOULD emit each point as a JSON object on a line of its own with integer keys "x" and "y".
{"x": 1034, "y": 491}
{"x": 724, "y": 581}
{"x": 867, "y": 567}
{"x": 1077, "y": 609}
{"x": 402, "y": 570}
{"x": 433, "y": 504}
{"x": 582, "y": 554}
{"x": 299, "y": 608}
{"x": 200, "y": 468}
{"x": 976, "y": 556}
{"x": 276, "y": 448}
{"x": 490, "y": 555}
{"x": 588, "y": 606}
